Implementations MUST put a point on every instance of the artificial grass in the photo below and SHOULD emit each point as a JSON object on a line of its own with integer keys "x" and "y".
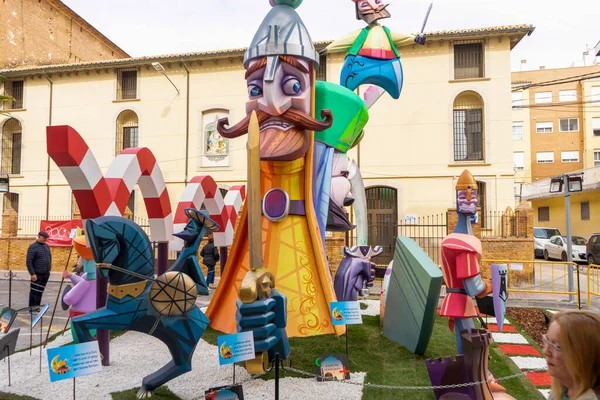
{"x": 386, "y": 362}
{"x": 162, "y": 393}
{"x": 8, "y": 396}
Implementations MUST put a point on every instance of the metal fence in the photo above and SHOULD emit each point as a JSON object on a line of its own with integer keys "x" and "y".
{"x": 496, "y": 224}
{"x": 593, "y": 282}
{"x": 428, "y": 232}
{"x": 30, "y": 225}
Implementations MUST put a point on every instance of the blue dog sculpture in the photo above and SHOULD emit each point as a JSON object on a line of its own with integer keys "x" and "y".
{"x": 137, "y": 301}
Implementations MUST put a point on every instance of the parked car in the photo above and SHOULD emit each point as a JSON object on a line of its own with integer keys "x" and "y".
{"x": 593, "y": 249}
{"x": 556, "y": 249}
{"x": 541, "y": 236}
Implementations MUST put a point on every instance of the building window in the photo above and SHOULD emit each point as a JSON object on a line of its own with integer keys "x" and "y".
{"x": 569, "y": 156}
{"x": 322, "y": 71}
{"x": 596, "y": 158}
{"x": 519, "y": 160}
{"x": 127, "y": 84}
{"x": 585, "y": 211}
{"x": 14, "y": 89}
{"x": 544, "y": 214}
{"x": 11, "y": 147}
{"x": 517, "y": 128}
{"x": 596, "y": 94}
{"x": 569, "y": 125}
{"x": 543, "y": 97}
{"x": 214, "y": 147}
{"x": 517, "y": 100}
{"x": 544, "y": 127}
{"x": 11, "y": 200}
{"x": 468, "y": 127}
{"x": 468, "y": 60}
{"x": 546, "y": 157}
{"x": 567, "y": 95}
{"x": 127, "y": 131}
{"x": 596, "y": 126}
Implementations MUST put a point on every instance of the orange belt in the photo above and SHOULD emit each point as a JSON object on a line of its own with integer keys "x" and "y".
{"x": 132, "y": 289}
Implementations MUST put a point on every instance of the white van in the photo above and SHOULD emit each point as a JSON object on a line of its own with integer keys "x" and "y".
{"x": 541, "y": 236}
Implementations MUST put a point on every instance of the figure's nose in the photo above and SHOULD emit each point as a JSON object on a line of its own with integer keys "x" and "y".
{"x": 273, "y": 101}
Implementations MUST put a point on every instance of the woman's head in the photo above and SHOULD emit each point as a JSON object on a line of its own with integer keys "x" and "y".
{"x": 572, "y": 351}
{"x": 211, "y": 239}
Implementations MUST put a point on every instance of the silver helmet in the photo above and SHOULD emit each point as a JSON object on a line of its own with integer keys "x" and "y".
{"x": 282, "y": 32}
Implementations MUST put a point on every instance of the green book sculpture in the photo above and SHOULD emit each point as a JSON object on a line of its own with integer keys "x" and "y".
{"x": 412, "y": 297}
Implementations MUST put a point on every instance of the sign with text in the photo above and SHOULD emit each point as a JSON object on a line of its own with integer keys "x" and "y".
{"x": 225, "y": 393}
{"x": 236, "y": 348}
{"x": 72, "y": 361}
{"x": 60, "y": 231}
{"x": 345, "y": 313}
{"x": 331, "y": 367}
{"x": 39, "y": 316}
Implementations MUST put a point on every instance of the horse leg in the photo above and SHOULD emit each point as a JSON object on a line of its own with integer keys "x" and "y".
{"x": 181, "y": 337}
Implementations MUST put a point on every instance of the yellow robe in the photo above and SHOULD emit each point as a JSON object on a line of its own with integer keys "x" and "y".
{"x": 292, "y": 251}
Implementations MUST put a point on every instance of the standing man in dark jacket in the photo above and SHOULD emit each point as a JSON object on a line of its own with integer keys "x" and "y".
{"x": 210, "y": 256}
{"x": 39, "y": 263}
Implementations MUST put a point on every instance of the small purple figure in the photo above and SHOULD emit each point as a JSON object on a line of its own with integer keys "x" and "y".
{"x": 356, "y": 272}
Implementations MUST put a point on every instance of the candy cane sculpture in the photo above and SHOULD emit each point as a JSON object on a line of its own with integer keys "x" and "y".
{"x": 99, "y": 195}
{"x": 203, "y": 190}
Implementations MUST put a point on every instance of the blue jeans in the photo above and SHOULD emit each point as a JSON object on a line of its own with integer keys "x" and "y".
{"x": 210, "y": 276}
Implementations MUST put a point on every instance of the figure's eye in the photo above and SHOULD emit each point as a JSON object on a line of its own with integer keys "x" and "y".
{"x": 254, "y": 91}
{"x": 291, "y": 87}
{"x": 364, "y": 4}
{"x": 377, "y": 1}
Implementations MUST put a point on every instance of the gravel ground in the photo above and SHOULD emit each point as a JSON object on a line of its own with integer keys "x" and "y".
{"x": 372, "y": 307}
{"x": 135, "y": 355}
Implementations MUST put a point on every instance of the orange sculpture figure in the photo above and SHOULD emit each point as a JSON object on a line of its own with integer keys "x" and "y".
{"x": 461, "y": 256}
{"x": 280, "y": 71}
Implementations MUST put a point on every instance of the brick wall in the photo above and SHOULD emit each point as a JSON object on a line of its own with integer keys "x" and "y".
{"x": 13, "y": 253}
{"x": 46, "y": 32}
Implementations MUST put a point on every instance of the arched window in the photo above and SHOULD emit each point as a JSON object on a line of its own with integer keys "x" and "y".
{"x": 127, "y": 131}
{"x": 382, "y": 218}
{"x": 11, "y": 147}
{"x": 468, "y": 127}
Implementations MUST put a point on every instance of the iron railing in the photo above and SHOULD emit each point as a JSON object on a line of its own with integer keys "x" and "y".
{"x": 502, "y": 224}
{"x": 30, "y": 225}
{"x": 428, "y": 232}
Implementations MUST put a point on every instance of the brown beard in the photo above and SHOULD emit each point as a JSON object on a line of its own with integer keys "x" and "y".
{"x": 372, "y": 16}
{"x": 282, "y": 138}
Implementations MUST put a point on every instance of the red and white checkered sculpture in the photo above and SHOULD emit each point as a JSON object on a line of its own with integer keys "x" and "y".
{"x": 203, "y": 190}
{"x": 99, "y": 195}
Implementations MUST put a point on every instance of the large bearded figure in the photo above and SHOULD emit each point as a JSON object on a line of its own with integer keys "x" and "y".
{"x": 280, "y": 73}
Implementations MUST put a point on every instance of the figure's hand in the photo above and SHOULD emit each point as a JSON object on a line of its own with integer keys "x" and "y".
{"x": 33, "y": 278}
{"x": 420, "y": 39}
{"x": 488, "y": 289}
{"x": 65, "y": 274}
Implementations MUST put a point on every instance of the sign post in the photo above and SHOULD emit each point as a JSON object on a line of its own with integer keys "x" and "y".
{"x": 345, "y": 313}
{"x": 72, "y": 361}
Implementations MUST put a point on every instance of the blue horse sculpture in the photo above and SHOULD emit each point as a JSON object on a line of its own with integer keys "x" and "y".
{"x": 137, "y": 301}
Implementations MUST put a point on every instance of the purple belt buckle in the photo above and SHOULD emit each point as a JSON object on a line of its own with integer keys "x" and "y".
{"x": 276, "y": 205}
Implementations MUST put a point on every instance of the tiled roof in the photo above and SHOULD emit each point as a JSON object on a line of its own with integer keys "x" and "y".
{"x": 199, "y": 56}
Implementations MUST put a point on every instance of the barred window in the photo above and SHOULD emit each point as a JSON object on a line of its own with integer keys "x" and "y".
{"x": 468, "y": 60}
{"x": 127, "y": 84}
{"x": 127, "y": 131}
{"x": 11, "y": 147}
{"x": 544, "y": 214}
{"x": 468, "y": 127}
{"x": 11, "y": 200}
{"x": 585, "y": 211}
{"x": 322, "y": 71}
{"x": 14, "y": 89}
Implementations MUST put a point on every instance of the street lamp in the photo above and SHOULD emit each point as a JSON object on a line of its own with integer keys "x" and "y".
{"x": 4, "y": 182}
{"x": 568, "y": 184}
{"x": 159, "y": 68}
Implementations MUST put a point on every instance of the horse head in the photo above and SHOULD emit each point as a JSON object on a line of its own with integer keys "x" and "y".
{"x": 119, "y": 242}
{"x": 199, "y": 223}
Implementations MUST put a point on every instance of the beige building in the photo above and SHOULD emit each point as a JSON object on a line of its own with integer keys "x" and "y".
{"x": 48, "y": 32}
{"x": 454, "y": 113}
{"x": 556, "y": 122}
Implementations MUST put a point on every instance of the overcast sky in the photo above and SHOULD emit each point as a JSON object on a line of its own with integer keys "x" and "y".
{"x": 153, "y": 27}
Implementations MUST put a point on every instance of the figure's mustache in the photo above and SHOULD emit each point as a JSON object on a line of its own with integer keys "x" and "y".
{"x": 295, "y": 117}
